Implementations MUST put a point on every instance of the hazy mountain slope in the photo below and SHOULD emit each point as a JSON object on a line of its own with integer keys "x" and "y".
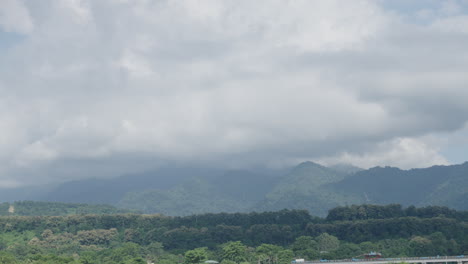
{"x": 113, "y": 190}
{"x": 182, "y": 191}
{"x": 193, "y": 197}
{"x": 437, "y": 185}
{"x": 345, "y": 168}
{"x": 244, "y": 185}
{"x": 24, "y": 193}
{"x": 305, "y": 187}
{"x": 453, "y": 191}
{"x": 234, "y": 191}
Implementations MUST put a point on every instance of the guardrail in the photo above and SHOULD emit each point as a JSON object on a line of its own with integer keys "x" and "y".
{"x": 386, "y": 259}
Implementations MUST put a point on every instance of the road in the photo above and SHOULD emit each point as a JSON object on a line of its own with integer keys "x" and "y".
{"x": 423, "y": 260}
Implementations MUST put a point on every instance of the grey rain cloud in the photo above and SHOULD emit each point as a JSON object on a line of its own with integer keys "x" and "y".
{"x": 100, "y": 88}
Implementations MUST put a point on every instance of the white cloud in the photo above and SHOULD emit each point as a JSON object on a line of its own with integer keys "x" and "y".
{"x": 79, "y": 10}
{"x": 14, "y": 17}
{"x": 35, "y": 152}
{"x": 404, "y": 153}
{"x": 455, "y": 24}
{"x": 226, "y": 83}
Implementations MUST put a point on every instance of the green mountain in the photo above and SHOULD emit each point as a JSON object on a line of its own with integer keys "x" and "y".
{"x": 111, "y": 191}
{"x": 193, "y": 197}
{"x": 306, "y": 187}
{"x": 234, "y": 191}
{"x": 184, "y": 191}
{"x": 437, "y": 185}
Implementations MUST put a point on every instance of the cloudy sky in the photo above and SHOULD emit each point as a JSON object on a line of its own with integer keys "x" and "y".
{"x": 104, "y": 87}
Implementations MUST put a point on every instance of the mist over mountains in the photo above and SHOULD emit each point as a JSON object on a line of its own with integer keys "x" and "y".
{"x": 317, "y": 188}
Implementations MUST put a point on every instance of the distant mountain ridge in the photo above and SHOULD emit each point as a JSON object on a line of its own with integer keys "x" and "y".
{"x": 112, "y": 190}
{"x": 437, "y": 185}
{"x": 310, "y": 186}
{"x": 305, "y": 188}
{"x": 233, "y": 191}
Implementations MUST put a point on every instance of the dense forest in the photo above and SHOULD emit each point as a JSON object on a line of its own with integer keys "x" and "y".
{"x": 266, "y": 238}
{"x": 31, "y": 208}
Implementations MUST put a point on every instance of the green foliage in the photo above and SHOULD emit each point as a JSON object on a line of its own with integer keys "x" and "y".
{"x": 155, "y": 250}
{"x": 305, "y": 247}
{"x": 285, "y": 256}
{"x": 327, "y": 242}
{"x": 265, "y": 238}
{"x": 268, "y": 253}
{"x": 52, "y": 259}
{"x": 234, "y": 251}
{"x": 370, "y": 211}
{"x": 227, "y": 261}
{"x": 34, "y": 208}
{"x": 7, "y": 258}
{"x": 347, "y": 249}
{"x": 196, "y": 255}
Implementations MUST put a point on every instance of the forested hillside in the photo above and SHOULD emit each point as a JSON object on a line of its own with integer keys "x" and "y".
{"x": 173, "y": 191}
{"x": 309, "y": 186}
{"x": 269, "y": 237}
{"x": 234, "y": 191}
{"x": 306, "y": 187}
{"x": 111, "y": 191}
{"x": 438, "y": 185}
{"x": 34, "y": 208}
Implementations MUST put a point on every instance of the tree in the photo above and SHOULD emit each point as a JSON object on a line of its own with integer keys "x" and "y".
{"x": 155, "y": 250}
{"x": 95, "y": 236}
{"x": 420, "y": 246}
{"x": 285, "y": 256}
{"x": 367, "y": 246}
{"x": 128, "y": 251}
{"x": 7, "y": 258}
{"x": 196, "y": 255}
{"x": 347, "y": 250}
{"x": 234, "y": 251}
{"x": 88, "y": 257}
{"x": 439, "y": 243}
{"x": 327, "y": 242}
{"x": 268, "y": 253}
{"x": 305, "y": 247}
{"x": 227, "y": 261}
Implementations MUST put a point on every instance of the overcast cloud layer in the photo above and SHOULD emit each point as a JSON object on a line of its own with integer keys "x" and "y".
{"x": 105, "y": 87}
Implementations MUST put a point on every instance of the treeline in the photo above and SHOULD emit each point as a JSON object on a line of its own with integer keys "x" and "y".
{"x": 145, "y": 229}
{"x": 34, "y": 208}
{"x": 266, "y": 238}
{"x": 368, "y": 211}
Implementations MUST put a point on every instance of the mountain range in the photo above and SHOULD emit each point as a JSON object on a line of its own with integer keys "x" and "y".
{"x": 311, "y": 186}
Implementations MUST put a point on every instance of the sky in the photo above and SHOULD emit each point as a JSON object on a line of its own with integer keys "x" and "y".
{"x": 99, "y": 88}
